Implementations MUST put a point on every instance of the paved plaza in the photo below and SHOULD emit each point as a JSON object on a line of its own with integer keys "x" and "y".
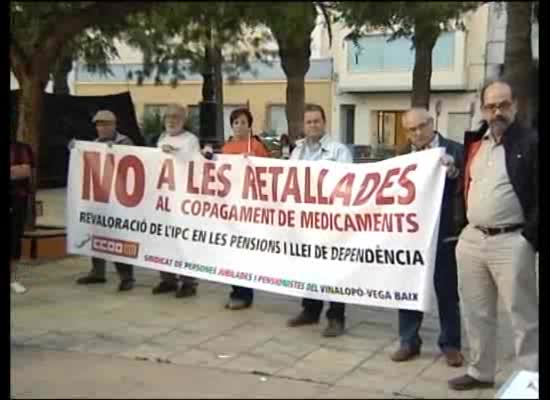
{"x": 70, "y": 341}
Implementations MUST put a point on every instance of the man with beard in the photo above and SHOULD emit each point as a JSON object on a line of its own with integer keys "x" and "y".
{"x": 176, "y": 140}
{"x": 496, "y": 250}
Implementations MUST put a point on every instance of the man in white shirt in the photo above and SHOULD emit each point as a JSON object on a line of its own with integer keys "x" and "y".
{"x": 176, "y": 140}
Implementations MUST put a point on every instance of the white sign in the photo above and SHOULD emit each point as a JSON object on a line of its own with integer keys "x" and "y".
{"x": 354, "y": 233}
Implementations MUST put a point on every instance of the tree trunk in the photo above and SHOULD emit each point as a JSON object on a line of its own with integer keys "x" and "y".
{"x": 295, "y": 104}
{"x": 30, "y": 107}
{"x": 422, "y": 71}
{"x": 295, "y": 63}
{"x": 518, "y": 58}
{"x": 61, "y": 76}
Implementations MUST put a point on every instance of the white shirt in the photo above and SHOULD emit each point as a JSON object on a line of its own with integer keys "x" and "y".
{"x": 185, "y": 142}
{"x": 326, "y": 149}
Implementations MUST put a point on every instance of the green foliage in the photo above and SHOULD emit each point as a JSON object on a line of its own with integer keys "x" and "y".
{"x": 151, "y": 125}
{"x": 404, "y": 18}
{"x": 176, "y": 40}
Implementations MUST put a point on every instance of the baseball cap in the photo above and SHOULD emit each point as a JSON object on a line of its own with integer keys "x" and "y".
{"x": 104, "y": 115}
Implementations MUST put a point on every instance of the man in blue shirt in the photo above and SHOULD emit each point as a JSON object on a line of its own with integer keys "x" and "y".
{"x": 319, "y": 146}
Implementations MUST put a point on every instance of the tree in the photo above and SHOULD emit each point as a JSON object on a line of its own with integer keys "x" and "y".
{"x": 97, "y": 50}
{"x": 422, "y": 22}
{"x": 209, "y": 38}
{"x": 40, "y": 31}
{"x": 292, "y": 24}
{"x": 519, "y": 67}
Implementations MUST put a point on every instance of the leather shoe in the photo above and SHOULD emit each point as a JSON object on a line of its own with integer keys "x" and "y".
{"x": 405, "y": 353}
{"x": 302, "y": 319}
{"x": 454, "y": 358}
{"x": 87, "y": 280}
{"x": 334, "y": 328}
{"x": 467, "y": 382}
{"x": 237, "y": 304}
{"x": 186, "y": 291}
{"x": 125, "y": 285}
{"x": 164, "y": 287}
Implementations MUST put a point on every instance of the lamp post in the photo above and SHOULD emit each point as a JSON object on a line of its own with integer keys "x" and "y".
{"x": 437, "y": 112}
{"x": 207, "y": 107}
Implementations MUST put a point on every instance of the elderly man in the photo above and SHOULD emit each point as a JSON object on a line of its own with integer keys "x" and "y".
{"x": 105, "y": 124}
{"x": 176, "y": 140}
{"x": 496, "y": 251}
{"x": 421, "y": 135}
{"x": 319, "y": 146}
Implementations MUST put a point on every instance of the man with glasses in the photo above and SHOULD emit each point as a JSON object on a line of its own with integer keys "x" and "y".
{"x": 497, "y": 249}
{"x": 421, "y": 136}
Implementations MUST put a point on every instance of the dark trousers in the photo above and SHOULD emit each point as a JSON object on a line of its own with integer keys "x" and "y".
{"x": 242, "y": 293}
{"x": 446, "y": 290}
{"x": 18, "y": 214}
{"x": 314, "y": 307}
{"x": 169, "y": 277}
{"x": 125, "y": 271}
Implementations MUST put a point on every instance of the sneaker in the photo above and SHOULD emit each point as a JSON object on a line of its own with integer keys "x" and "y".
{"x": 17, "y": 287}
{"x": 165, "y": 287}
{"x": 237, "y": 304}
{"x": 334, "y": 328}
{"x": 87, "y": 280}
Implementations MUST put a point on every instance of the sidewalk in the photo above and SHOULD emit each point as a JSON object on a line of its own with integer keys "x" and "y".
{"x": 69, "y": 340}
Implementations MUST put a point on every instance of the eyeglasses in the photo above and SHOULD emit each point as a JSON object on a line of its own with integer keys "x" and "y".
{"x": 419, "y": 126}
{"x": 493, "y": 107}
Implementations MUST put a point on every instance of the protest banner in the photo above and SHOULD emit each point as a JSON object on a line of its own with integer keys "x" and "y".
{"x": 354, "y": 233}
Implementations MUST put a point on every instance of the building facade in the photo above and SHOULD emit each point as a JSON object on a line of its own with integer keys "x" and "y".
{"x": 263, "y": 91}
{"x": 373, "y": 82}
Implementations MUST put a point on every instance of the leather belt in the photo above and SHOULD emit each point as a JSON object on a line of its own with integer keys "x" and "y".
{"x": 496, "y": 231}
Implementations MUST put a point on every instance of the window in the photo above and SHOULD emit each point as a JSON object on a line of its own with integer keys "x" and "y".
{"x": 276, "y": 120}
{"x": 390, "y": 129}
{"x": 457, "y": 124}
{"x": 375, "y": 54}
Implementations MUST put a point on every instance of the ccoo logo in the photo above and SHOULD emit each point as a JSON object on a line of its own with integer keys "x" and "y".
{"x": 115, "y": 246}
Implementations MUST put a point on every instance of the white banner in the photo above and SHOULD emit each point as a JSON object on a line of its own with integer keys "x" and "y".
{"x": 354, "y": 233}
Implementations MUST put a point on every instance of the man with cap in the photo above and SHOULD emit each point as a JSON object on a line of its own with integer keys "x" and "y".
{"x": 105, "y": 123}
{"x": 176, "y": 140}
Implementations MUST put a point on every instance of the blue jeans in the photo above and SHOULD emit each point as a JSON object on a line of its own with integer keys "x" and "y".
{"x": 446, "y": 291}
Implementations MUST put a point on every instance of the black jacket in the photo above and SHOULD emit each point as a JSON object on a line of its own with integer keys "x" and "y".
{"x": 521, "y": 152}
{"x": 452, "y": 218}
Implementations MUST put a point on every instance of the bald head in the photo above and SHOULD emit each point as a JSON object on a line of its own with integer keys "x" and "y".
{"x": 419, "y": 125}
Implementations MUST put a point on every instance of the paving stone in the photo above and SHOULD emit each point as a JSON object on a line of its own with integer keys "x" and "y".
{"x": 58, "y": 340}
{"x": 201, "y": 358}
{"x": 323, "y": 365}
